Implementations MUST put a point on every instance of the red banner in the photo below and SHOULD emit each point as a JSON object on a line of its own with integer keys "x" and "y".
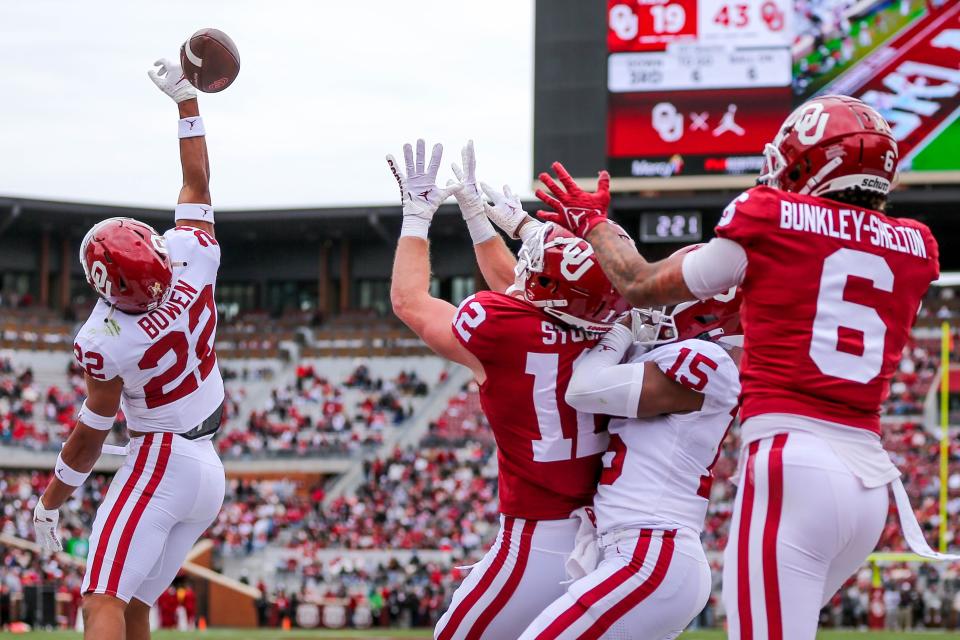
{"x": 699, "y": 123}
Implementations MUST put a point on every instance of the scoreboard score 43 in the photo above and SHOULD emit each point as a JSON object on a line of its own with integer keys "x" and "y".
{"x": 697, "y": 87}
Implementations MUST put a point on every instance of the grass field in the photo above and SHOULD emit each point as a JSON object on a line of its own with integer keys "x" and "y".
{"x": 238, "y": 634}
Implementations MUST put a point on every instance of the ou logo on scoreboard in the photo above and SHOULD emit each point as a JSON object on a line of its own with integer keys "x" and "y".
{"x": 810, "y": 123}
{"x": 576, "y": 259}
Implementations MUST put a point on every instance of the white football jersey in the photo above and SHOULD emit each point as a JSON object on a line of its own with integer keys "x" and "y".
{"x": 657, "y": 471}
{"x": 171, "y": 381}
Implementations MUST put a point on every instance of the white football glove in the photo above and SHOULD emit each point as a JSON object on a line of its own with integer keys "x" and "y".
{"x": 419, "y": 193}
{"x": 169, "y": 78}
{"x": 506, "y": 211}
{"x": 471, "y": 204}
{"x": 45, "y": 527}
{"x": 469, "y": 199}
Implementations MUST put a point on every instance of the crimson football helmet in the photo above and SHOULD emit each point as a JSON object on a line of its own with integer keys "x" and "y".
{"x": 557, "y": 272}
{"x": 713, "y": 318}
{"x": 126, "y": 263}
{"x": 830, "y": 144}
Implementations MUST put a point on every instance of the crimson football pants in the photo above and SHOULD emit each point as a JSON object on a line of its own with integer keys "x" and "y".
{"x": 802, "y": 524}
{"x": 520, "y": 575}
{"x": 159, "y": 503}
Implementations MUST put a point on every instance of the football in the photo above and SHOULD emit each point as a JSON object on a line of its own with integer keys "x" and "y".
{"x": 210, "y": 60}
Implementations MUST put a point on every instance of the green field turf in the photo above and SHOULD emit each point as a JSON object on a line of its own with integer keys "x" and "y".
{"x": 238, "y": 634}
{"x": 941, "y": 154}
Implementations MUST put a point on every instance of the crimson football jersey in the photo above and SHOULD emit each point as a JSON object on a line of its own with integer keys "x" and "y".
{"x": 549, "y": 455}
{"x": 829, "y": 296}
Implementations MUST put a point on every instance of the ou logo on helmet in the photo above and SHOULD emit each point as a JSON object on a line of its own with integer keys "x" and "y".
{"x": 576, "y": 259}
{"x": 100, "y": 279}
{"x": 810, "y": 123}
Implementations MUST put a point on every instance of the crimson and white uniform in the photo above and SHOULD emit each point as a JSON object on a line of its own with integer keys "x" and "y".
{"x": 650, "y": 506}
{"x": 170, "y": 488}
{"x": 549, "y": 458}
{"x": 830, "y": 292}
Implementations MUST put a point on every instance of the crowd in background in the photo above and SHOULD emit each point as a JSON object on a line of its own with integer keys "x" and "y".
{"x": 312, "y": 416}
{"x": 439, "y": 496}
{"x": 317, "y": 416}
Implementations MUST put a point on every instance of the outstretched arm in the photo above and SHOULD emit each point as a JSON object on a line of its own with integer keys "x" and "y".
{"x": 194, "y": 205}
{"x": 494, "y": 258}
{"x": 642, "y": 283}
{"x": 428, "y": 317}
{"x": 195, "y": 165}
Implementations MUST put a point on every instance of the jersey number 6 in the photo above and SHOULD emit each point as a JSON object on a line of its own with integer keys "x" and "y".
{"x": 834, "y": 313}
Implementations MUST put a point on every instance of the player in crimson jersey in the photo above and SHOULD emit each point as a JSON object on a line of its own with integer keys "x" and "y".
{"x": 147, "y": 347}
{"x": 831, "y": 286}
{"x": 521, "y": 347}
{"x": 672, "y": 400}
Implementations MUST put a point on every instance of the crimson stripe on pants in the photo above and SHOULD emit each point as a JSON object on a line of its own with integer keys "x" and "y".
{"x": 743, "y": 547}
{"x": 771, "y": 583}
{"x": 111, "y": 521}
{"x": 523, "y": 554}
{"x": 602, "y": 590}
{"x": 163, "y": 456}
{"x": 456, "y": 618}
{"x": 638, "y": 595}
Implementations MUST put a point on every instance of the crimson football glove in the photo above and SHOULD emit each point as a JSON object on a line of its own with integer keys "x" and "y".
{"x": 577, "y": 210}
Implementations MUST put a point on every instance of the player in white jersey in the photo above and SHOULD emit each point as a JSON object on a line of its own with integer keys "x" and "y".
{"x": 148, "y": 348}
{"x": 670, "y": 408}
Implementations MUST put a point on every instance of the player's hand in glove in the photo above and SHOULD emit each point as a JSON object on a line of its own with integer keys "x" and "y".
{"x": 45, "y": 527}
{"x": 504, "y": 209}
{"x": 577, "y": 210}
{"x": 468, "y": 197}
{"x": 419, "y": 193}
{"x": 169, "y": 78}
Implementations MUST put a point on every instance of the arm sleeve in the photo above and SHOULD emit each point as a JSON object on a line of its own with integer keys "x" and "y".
{"x": 600, "y": 384}
{"x": 714, "y": 268}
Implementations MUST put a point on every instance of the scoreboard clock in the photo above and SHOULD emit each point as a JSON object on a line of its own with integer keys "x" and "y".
{"x": 671, "y": 227}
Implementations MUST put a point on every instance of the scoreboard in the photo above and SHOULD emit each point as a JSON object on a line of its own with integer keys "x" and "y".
{"x": 697, "y": 87}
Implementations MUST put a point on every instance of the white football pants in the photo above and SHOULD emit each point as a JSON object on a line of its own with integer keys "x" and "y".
{"x": 802, "y": 524}
{"x": 162, "y": 499}
{"x": 649, "y": 586}
{"x": 519, "y": 576}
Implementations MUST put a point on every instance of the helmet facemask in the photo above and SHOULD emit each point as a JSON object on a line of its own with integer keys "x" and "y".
{"x": 653, "y": 327}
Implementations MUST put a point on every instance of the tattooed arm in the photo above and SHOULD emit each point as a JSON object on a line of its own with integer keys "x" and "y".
{"x": 642, "y": 283}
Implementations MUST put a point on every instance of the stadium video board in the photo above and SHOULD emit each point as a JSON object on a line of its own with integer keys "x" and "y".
{"x": 697, "y": 87}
